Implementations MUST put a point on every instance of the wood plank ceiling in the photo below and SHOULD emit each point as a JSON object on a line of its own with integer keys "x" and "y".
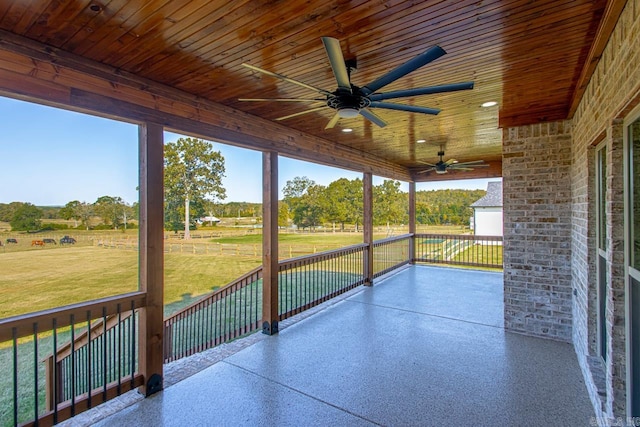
{"x": 525, "y": 55}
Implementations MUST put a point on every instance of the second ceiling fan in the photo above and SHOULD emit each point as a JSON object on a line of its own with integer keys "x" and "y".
{"x": 350, "y": 100}
{"x": 452, "y": 164}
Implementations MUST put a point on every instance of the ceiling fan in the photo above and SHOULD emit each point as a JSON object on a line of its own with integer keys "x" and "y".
{"x": 350, "y": 100}
{"x": 452, "y": 164}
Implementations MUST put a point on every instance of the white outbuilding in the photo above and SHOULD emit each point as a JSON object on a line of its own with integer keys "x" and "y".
{"x": 487, "y": 212}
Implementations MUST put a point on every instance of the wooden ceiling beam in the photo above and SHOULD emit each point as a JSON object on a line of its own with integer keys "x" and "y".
{"x": 47, "y": 75}
{"x": 603, "y": 34}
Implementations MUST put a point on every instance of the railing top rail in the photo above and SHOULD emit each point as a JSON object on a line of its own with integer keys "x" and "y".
{"x": 460, "y": 236}
{"x": 307, "y": 259}
{"x": 246, "y": 276}
{"x": 24, "y": 323}
{"x": 392, "y": 239}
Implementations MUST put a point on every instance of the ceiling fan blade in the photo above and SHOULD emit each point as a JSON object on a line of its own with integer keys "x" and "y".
{"x": 286, "y": 79}
{"x": 421, "y": 91}
{"x": 451, "y": 162}
{"x": 403, "y": 107}
{"x": 424, "y": 58}
{"x": 427, "y": 170}
{"x": 333, "y": 121}
{"x": 302, "y": 112}
{"x": 428, "y": 164}
{"x": 464, "y": 165}
{"x": 461, "y": 169}
{"x": 282, "y": 99}
{"x": 474, "y": 162}
{"x": 334, "y": 52}
{"x": 373, "y": 117}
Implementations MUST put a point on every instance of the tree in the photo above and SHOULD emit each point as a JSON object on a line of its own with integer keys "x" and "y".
{"x": 284, "y": 216}
{"x": 343, "y": 201}
{"x": 110, "y": 209}
{"x": 297, "y": 187}
{"x": 193, "y": 172}
{"x": 389, "y": 203}
{"x": 26, "y": 218}
{"x": 7, "y": 211}
{"x": 309, "y": 208}
{"x": 78, "y": 211}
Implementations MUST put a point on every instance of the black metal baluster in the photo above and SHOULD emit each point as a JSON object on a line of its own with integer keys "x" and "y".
{"x": 35, "y": 373}
{"x": 132, "y": 341}
{"x": 15, "y": 375}
{"x": 105, "y": 364}
{"x": 54, "y": 374}
{"x": 73, "y": 366}
{"x": 88, "y": 345}
{"x": 118, "y": 342}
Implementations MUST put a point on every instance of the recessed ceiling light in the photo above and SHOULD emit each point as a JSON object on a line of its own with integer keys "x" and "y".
{"x": 489, "y": 104}
{"x": 420, "y": 141}
{"x": 347, "y": 130}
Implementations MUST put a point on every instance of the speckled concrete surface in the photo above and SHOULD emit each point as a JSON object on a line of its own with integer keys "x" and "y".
{"x": 422, "y": 348}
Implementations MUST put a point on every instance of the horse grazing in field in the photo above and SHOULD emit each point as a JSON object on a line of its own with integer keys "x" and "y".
{"x": 12, "y": 241}
{"x": 37, "y": 243}
{"x": 50, "y": 241}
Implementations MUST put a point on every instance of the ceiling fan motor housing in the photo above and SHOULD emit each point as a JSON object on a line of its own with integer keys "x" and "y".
{"x": 342, "y": 99}
{"x": 441, "y": 167}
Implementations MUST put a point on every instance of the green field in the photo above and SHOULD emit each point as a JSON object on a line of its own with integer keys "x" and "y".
{"x": 37, "y": 278}
{"x": 105, "y": 263}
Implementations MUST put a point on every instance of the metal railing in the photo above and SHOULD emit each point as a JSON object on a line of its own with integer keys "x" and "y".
{"x": 391, "y": 253}
{"x": 228, "y": 313}
{"x": 463, "y": 250}
{"x": 78, "y": 356}
{"x": 307, "y": 281}
{"x": 48, "y": 386}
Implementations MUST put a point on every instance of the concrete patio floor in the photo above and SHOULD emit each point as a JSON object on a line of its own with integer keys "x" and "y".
{"x": 424, "y": 347}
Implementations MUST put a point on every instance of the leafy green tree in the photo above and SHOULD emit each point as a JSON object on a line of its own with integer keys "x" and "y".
{"x": 7, "y": 211}
{"x": 284, "y": 215}
{"x": 110, "y": 209}
{"x": 69, "y": 212}
{"x": 389, "y": 203}
{"x": 293, "y": 193}
{"x": 309, "y": 208}
{"x": 26, "y": 218}
{"x": 78, "y": 211}
{"x": 297, "y": 187}
{"x": 446, "y": 206}
{"x": 343, "y": 201}
{"x": 193, "y": 172}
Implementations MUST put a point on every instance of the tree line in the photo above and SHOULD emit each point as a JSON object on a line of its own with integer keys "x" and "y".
{"x": 193, "y": 174}
{"x": 309, "y": 205}
{"x": 114, "y": 213}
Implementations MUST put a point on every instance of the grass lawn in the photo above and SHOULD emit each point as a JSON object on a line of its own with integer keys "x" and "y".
{"x": 48, "y": 278}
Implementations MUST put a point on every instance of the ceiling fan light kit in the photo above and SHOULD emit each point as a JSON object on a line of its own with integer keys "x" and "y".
{"x": 349, "y": 100}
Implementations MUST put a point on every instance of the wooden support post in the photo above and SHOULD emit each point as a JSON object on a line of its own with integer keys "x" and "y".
{"x": 412, "y": 222}
{"x": 367, "y": 225}
{"x": 270, "y": 243}
{"x": 151, "y": 255}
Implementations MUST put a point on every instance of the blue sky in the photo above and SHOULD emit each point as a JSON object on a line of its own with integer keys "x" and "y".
{"x": 50, "y": 156}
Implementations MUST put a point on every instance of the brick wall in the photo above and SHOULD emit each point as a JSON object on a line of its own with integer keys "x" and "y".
{"x": 614, "y": 89}
{"x": 536, "y": 169}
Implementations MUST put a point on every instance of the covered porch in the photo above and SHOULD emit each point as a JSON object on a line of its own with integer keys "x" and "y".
{"x": 424, "y": 346}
